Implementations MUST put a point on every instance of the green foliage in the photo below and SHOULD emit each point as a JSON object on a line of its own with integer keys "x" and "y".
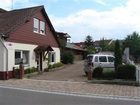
{"x": 89, "y": 45}
{"x": 108, "y": 73}
{"x": 118, "y": 54}
{"x": 97, "y": 72}
{"x": 59, "y": 64}
{"x": 133, "y": 42}
{"x": 30, "y": 70}
{"x": 88, "y": 41}
{"x": 126, "y": 72}
{"x": 17, "y": 73}
{"x": 67, "y": 57}
{"x": 90, "y": 50}
{"x": 103, "y": 44}
{"x": 110, "y": 47}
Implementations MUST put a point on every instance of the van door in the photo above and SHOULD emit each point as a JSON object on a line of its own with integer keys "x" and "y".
{"x": 103, "y": 61}
{"x": 110, "y": 61}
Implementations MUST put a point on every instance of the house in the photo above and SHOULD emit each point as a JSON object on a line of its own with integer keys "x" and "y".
{"x": 78, "y": 52}
{"x": 66, "y": 46}
{"x": 26, "y": 35}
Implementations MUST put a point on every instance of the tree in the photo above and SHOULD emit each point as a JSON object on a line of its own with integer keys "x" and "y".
{"x": 133, "y": 42}
{"x": 89, "y": 45}
{"x": 88, "y": 41}
{"x": 118, "y": 55}
{"x": 103, "y": 44}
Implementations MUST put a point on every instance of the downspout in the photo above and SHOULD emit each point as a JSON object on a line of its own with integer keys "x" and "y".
{"x": 6, "y": 57}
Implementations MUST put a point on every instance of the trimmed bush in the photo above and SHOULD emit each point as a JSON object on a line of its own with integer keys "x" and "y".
{"x": 30, "y": 70}
{"x": 67, "y": 57}
{"x": 97, "y": 72}
{"x": 16, "y": 73}
{"x": 59, "y": 64}
{"x": 126, "y": 72}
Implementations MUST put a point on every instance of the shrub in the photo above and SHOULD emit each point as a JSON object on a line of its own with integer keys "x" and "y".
{"x": 17, "y": 73}
{"x": 118, "y": 54}
{"x": 30, "y": 70}
{"x": 97, "y": 72}
{"x": 126, "y": 72}
{"x": 59, "y": 64}
{"x": 67, "y": 57}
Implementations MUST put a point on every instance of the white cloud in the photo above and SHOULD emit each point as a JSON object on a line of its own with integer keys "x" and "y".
{"x": 6, "y": 4}
{"x": 102, "y": 2}
{"x": 116, "y": 23}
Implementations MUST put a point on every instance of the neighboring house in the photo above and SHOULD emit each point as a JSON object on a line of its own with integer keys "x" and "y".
{"x": 64, "y": 40}
{"x": 26, "y": 35}
{"x": 98, "y": 44}
{"x": 80, "y": 44}
{"x": 78, "y": 52}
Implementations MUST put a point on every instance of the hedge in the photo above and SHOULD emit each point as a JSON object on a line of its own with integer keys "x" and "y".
{"x": 126, "y": 72}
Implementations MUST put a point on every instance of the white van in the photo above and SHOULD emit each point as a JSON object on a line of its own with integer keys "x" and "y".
{"x": 99, "y": 60}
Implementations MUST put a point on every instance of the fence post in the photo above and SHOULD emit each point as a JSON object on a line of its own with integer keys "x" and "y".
{"x": 138, "y": 75}
{"x": 89, "y": 70}
{"x": 21, "y": 70}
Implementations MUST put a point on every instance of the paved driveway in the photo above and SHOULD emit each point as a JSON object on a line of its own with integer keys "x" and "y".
{"x": 72, "y": 72}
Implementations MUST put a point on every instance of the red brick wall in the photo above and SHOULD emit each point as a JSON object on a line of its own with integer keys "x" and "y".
{"x": 5, "y": 76}
{"x": 25, "y": 34}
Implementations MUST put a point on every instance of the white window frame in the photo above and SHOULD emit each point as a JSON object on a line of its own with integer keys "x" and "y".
{"x": 52, "y": 54}
{"x": 22, "y": 57}
{"x": 39, "y": 26}
{"x": 36, "y": 25}
{"x": 42, "y": 27}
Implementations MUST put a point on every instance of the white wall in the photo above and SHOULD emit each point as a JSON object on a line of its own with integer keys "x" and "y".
{"x": 1, "y": 57}
{"x": 18, "y": 46}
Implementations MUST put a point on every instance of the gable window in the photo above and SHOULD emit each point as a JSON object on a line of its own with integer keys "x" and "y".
{"x": 42, "y": 27}
{"x": 39, "y": 26}
{"x": 21, "y": 55}
{"x": 36, "y": 25}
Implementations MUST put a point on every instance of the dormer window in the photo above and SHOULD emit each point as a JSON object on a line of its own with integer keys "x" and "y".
{"x": 39, "y": 26}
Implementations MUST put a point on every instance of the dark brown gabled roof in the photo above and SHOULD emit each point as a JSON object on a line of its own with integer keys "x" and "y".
{"x": 11, "y": 20}
{"x": 2, "y": 10}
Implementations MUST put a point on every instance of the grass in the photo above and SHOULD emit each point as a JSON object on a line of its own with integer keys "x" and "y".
{"x": 107, "y": 74}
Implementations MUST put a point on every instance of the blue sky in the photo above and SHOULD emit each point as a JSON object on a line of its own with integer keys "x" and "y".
{"x": 111, "y": 19}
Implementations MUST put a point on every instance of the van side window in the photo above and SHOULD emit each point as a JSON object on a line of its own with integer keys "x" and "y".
{"x": 110, "y": 59}
{"x": 96, "y": 58}
{"x": 102, "y": 59}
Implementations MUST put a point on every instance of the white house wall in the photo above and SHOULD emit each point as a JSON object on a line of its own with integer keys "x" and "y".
{"x": 18, "y": 46}
{"x": 1, "y": 57}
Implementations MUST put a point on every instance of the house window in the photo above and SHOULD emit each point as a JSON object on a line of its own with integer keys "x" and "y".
{"x": 39, "y": 26}
{"x": 19, "y": 55}
{"x": 42, "y": 27}
{"x": 36, "y": 25}
{"x": 52, "y": 57}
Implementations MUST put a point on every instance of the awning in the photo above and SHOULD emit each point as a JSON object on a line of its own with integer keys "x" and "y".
{"x": 40, "y": 48}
